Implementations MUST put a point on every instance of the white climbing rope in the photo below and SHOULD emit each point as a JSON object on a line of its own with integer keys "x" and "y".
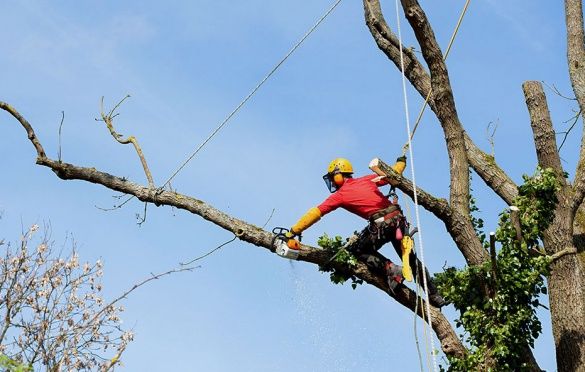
{"x": 253, "y": 91}
{"x": 412, "y": 171}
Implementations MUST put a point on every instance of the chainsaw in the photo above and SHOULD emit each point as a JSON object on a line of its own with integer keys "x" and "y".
{"x": 284, "y": 246}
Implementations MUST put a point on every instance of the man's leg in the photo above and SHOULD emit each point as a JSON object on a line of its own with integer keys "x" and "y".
{"x": 366, "y": 250}
{"x": 417, "y": 267}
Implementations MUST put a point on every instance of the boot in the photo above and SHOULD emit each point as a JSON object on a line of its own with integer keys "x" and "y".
{"x": 435, "y": 298}
{"x": 394, "y": 273}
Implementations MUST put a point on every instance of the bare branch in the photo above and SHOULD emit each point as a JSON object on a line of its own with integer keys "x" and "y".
{"x": 576, "y": 48}
{"x": 575, "y": 120}
{"x": 485, "y": 166}
{"x": 29, "y": 130}
{"x": 60, "y": 127}
{"x": 558, "y": 92}
{"x": 576, "y": 56}
{"x": 389, "y": 45}
{"x": 118, "y": 206}
{"x": 108, "y": 120}
{"x": 542, "y": 128}
{"x": 142, "y": 219}
{"x": 209, "y": 253}
{"x": 269, "y": 218}
{"x": 138, "y": 285}
{"x": 490, "y": 134}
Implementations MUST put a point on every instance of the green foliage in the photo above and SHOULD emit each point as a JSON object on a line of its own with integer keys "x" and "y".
{"x": 498, "y": 312}
{"x": 340, "y": 256}
{"x": 9, "y": 365}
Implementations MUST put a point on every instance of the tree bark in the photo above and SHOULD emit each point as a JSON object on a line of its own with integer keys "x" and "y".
{"x": 567, "y": 279}
{"x": 460, "y": 232}
{"x": 442, "y": 103}
{"x": 416, "y": 74}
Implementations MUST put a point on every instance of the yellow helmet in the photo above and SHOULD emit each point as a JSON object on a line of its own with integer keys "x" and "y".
{"x": 340, "y": 165}
{"x": 337, "y": 171}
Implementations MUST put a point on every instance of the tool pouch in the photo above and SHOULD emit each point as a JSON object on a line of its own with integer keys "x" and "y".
{"x": 388, "y": 220}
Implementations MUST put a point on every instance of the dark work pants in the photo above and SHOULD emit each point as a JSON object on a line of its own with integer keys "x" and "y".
{"x": 372, "y": 238}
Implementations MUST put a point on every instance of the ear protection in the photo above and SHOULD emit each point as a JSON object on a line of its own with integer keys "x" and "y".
{"x": 338, "y": 179}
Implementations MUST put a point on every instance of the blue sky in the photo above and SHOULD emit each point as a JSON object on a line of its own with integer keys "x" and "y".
{"x": 187, "y": 64}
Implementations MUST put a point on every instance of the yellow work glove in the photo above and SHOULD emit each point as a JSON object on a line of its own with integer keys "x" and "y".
{"x": 313, "y": 215}
{"x": 400, "y": 165}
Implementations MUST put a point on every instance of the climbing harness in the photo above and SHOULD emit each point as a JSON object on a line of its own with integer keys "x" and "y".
{"x": 243, "y": 102}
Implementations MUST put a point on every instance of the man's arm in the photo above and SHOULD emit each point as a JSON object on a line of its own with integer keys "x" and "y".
{"x": 314, "y": 214}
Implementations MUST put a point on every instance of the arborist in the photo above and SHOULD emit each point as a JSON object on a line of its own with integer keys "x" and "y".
{"x": 363, "y": 197}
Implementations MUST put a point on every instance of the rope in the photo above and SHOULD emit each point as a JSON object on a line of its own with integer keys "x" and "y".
{"x": 417, "y": 292}
{"x": 424, "y": 106}
{"x": 415, "y": 316}
{"x": 243, "y": 102}
{"x": 406, "y": 111}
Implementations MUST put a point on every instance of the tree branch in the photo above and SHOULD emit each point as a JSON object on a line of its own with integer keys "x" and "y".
{"x": 108, "y": 119}
{"x": 388, "y": 43}
{"x": 564, "y": 252}
{"x": 542, "y": 128}
{"x": 243, "y": 230}
{"x": 486, "y": 167}
{"x": 445, "y": 105}
{"x": 29, "y": 130}
{"x": 416, "y": 74}
{"x": 459, "y": 228}
{"x": 576, "y": 63}
{"x": 576, "y": 48}
{"x": 437, "y": 206}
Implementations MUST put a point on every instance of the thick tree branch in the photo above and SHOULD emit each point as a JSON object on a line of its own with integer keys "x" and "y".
{"x": 416, "y": 74}
{"x": 389, "y": 45}
{"x": 486, "y": 167}
{"x": 576, "y": 62}
{"x": 461, "y": 230}
{"x": 244, "y": 231}
{"x": 445, "y": 105}
{"x": 576, "y": 48}
{"x": 442, "y": 103}
{"x": 542, "y": 128}
{"x": 439, "y": 207}
{"x": 29, "y": 130}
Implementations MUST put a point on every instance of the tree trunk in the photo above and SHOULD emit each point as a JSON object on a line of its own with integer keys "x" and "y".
{"x": 567, "y": 304}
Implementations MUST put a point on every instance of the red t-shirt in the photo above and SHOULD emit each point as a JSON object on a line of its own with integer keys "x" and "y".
{"x": 360, "y": 196}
